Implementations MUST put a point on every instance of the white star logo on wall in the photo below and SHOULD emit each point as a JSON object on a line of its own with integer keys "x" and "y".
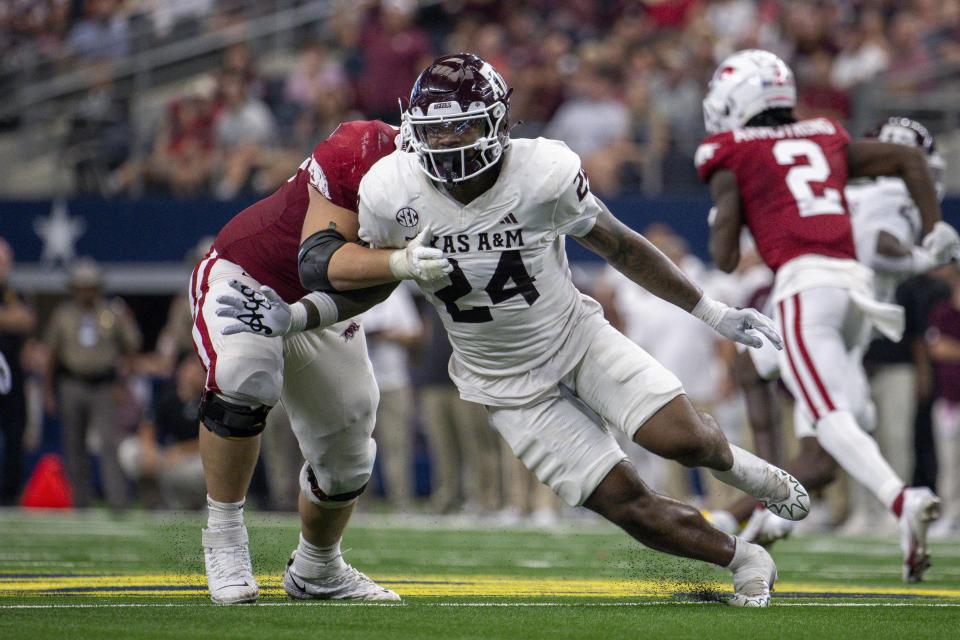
{"x": 59, "y": 232}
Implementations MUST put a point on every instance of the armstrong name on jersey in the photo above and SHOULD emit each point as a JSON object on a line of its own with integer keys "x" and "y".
{"x": 512, "y": 313}
{"x": 802, "y": 129}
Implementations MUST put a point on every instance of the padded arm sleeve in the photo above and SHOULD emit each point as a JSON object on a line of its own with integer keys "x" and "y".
{"x": 313, "y": 260}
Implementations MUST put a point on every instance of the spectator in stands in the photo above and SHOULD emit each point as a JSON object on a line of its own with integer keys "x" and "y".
{"x": 103, "y": 33}
{"x": 543, "y": 80}
{"x": 317, "y": 97}
{"x": 243, "y": 120}
{"x": 176, "y": 20}
{"x": 317, "y": 72}
{"x": 731, "y": 22}
{"x": 649, "y": 139}
{"x": 806, "y": 29}
{"x": 332, "y": 108}
{"x": 394, "y": 50}
{"x": 244, "y": 131}
{"x": 944, "y": 37}
{"x": 17, "y": 322}
{"x": 89, "y": 338}
{"x": 864, "y": 52}
{"x": 912, "y": 56}
{"x": 817, "y": 96}
{"x": 393, "y": 331}
{"x": 181, "y": 161}
{"x": 163, "y": 457}
{"x": 678, "y": 98}
{"x": 184, "y": 153}
{"x": 98, "y": 140}
{"x": 595, "y": 123}
{"x": 239, "y": 59}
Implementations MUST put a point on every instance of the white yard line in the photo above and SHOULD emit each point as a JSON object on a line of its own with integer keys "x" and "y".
{"x": 455, "y": 605}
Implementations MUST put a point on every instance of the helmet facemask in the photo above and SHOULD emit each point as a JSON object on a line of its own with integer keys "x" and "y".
{"x": 454, "y": 145}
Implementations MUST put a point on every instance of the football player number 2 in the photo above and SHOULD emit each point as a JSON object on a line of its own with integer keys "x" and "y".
{"x": 814, "y": 168}
{"x": 509, "y": 269}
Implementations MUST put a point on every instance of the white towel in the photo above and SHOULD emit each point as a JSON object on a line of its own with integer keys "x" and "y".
{"x": 812, "y": 271}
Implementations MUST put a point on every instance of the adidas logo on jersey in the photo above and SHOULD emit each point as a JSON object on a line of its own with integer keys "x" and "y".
{"x": 509, "y": 219}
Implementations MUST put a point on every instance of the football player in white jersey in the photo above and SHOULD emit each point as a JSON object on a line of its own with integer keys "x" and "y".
{"x": 553, "y": 374}
{"x": 886, "y": 222}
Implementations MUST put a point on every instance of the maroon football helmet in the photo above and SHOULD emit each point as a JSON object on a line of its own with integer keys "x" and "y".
{"x": 910, "y": 133}
{"x": 457, "y": 119}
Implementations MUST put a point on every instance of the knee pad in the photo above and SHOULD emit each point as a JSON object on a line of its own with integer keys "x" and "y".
{"x": 311, "y": 489}
{"x": 231, "y": 420}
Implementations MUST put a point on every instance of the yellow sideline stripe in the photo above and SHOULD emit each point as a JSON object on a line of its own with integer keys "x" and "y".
{"x": 433, "y": 585}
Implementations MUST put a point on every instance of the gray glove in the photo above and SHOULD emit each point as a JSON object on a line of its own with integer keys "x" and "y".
{"x": 261, "y": 312}
{"x": 740, "y": 325}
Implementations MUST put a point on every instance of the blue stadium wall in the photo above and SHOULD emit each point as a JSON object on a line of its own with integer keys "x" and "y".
{"x": 164, "y": 230}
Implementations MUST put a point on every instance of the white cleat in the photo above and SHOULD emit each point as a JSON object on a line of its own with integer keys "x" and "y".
{"x": 764, "y": 528}
{"x": 348, "y": 584}
{"x": 783, "y": 495}
{"x": 226, "y": 554}
{"x": 920, "y": 508}
{"x": 754, "y": 580}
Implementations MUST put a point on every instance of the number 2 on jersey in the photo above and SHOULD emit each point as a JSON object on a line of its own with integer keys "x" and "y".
{"x": 799, "y": 177}
{"x": 510, "y": 267}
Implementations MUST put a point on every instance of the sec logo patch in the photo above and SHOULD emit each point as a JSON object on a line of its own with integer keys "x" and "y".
{"x": 408, "y": 217}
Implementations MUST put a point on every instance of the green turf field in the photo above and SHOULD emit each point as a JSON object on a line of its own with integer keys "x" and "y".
{"x": 93, "y": 575}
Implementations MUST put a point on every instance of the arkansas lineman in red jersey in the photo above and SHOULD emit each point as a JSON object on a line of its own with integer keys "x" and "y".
{"x": 268, "y": 252}
{"x": 784, "y": 179}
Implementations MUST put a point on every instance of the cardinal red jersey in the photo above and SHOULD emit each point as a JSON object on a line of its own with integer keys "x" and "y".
{"x": 264, "y": 238}
{"x": 791, "y": 180}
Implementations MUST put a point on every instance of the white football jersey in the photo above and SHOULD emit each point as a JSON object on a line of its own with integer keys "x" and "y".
{"x": 515, "y": 320}
{"x": 879, "y": 205}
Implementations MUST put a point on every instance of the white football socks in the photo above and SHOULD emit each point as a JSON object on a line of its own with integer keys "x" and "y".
{"x": 748, "y": 473}
{"x": 312, "y": 561}
{"x": 741, "y": 554}
{"x": 858, "y": 454}
{"x": 222, "y": 515}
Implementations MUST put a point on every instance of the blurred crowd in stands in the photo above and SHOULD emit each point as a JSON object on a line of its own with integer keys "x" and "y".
{"x": 620, "y": 81}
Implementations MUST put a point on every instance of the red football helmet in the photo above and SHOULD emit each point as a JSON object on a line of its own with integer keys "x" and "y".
{"x": 457, "y": 120}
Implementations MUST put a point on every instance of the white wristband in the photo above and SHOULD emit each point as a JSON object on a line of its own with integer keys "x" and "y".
{"x": 324, "y": 305}
{"x": 710, "y": 311}
{"x": 298, "y": 316}
{"x": 400, "y": 265}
